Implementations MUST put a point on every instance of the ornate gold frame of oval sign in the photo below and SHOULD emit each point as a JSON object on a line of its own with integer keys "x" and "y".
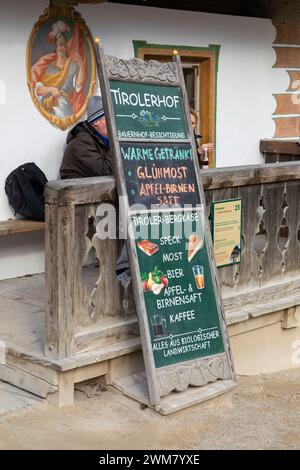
{"x": 70, "y": 13}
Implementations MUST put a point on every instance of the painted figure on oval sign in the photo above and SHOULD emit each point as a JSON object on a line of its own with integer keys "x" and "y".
{"x": 60, "y": 67}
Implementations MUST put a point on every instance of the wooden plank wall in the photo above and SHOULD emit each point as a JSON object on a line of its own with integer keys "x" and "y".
{"x": 287, "y": 113}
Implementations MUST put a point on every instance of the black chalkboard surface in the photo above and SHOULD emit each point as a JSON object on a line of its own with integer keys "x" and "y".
{"x": 178, "y": 290}
{"x": 159, "y": 174}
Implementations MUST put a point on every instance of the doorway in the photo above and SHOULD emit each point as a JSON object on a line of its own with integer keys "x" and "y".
{"x": 200, "y": 67}
{"x": 191, "y": 73}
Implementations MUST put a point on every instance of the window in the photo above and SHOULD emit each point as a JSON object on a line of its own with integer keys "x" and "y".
{"x": 200, "y": 67}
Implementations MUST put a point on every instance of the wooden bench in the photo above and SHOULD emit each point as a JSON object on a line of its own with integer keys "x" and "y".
{"x": 13, "y": 226}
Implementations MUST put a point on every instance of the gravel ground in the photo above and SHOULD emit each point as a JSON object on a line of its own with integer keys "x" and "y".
{"x": 263, "y": 412}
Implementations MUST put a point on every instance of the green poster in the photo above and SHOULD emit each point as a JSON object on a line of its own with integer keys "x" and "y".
{"x": 178, "y": 290}
{"x": 144, "y": 111}
{"x": 226, "y": 231}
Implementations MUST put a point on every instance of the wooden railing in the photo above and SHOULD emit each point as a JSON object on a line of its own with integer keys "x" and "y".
{"x": 268, "y": 277}
{"x": 85, "y": 304}
{"x": 83, "y": 297}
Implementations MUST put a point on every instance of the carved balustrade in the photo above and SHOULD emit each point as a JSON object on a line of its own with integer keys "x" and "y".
{"x": 87, "y": 308}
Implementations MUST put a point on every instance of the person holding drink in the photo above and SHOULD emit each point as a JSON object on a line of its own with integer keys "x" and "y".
{"x": 204, "y": 149}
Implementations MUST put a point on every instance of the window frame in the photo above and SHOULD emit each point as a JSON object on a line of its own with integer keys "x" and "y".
{"x": 208, "y": 57}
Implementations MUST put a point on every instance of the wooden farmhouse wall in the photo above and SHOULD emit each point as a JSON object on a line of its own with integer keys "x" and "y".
{"x": 287, "y": 113}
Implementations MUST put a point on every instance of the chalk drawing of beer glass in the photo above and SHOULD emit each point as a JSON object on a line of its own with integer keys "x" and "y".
{"x": 159, "y": 326}
{"x": 199, "y": 276}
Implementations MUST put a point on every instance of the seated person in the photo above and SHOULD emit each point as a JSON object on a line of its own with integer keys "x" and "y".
{"x": 87, "y": 152}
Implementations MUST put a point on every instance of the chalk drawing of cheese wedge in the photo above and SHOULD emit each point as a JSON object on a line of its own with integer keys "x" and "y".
{"x": 195, "y": 244}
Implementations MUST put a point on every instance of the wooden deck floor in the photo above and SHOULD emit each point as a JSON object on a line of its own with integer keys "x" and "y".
{"x": 13, "y": 399}
{"x": 22, "y": 359}
{"x": 22, "y": 314}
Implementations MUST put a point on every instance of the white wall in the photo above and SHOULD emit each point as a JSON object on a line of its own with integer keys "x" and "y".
{"x": 244, "y": 100}
{"x": 24, "y": 135}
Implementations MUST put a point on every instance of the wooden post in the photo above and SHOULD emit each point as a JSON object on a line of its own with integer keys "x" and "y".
{"x": 59, "y": 331}
{"x": 62, "y": 241}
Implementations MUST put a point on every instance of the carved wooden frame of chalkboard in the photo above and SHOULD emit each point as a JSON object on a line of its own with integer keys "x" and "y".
{"x": 202, "y": 371}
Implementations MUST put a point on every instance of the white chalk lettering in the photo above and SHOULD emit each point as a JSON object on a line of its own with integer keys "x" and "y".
{"x": 144, "y": 100}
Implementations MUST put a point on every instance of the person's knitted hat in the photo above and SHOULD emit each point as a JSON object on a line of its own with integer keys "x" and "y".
{"x": 95, "y": 109}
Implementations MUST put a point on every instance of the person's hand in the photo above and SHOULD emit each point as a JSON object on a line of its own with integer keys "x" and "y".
{"x": 208, "y": 147}
{"x": 55, "y": 92}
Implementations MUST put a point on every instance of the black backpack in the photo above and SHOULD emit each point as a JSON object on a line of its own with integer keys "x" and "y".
{"x": 24, "y": 187}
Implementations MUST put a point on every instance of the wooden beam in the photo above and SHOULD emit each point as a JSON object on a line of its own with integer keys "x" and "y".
{"x": 230, "y": 177}
{"x": 225, "y": 7}
{"x": 76, "y": 2}
{"x": 287, "y": 34}
{"x": 287, "y": 104}
{"x": 80, "y": 191}
{"x": 13, "y": 226}
{"x": 287, "y": 57}
{"x": 295, "y": 81}
{"x": 282, "y": 147}
{"x": 281, "y": 11}
{"x": 287, "y": 127}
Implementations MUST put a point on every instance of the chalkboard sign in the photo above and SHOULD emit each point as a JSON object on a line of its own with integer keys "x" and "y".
{"x": 159, "y": 174}
{"x": 178, "y": 301}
